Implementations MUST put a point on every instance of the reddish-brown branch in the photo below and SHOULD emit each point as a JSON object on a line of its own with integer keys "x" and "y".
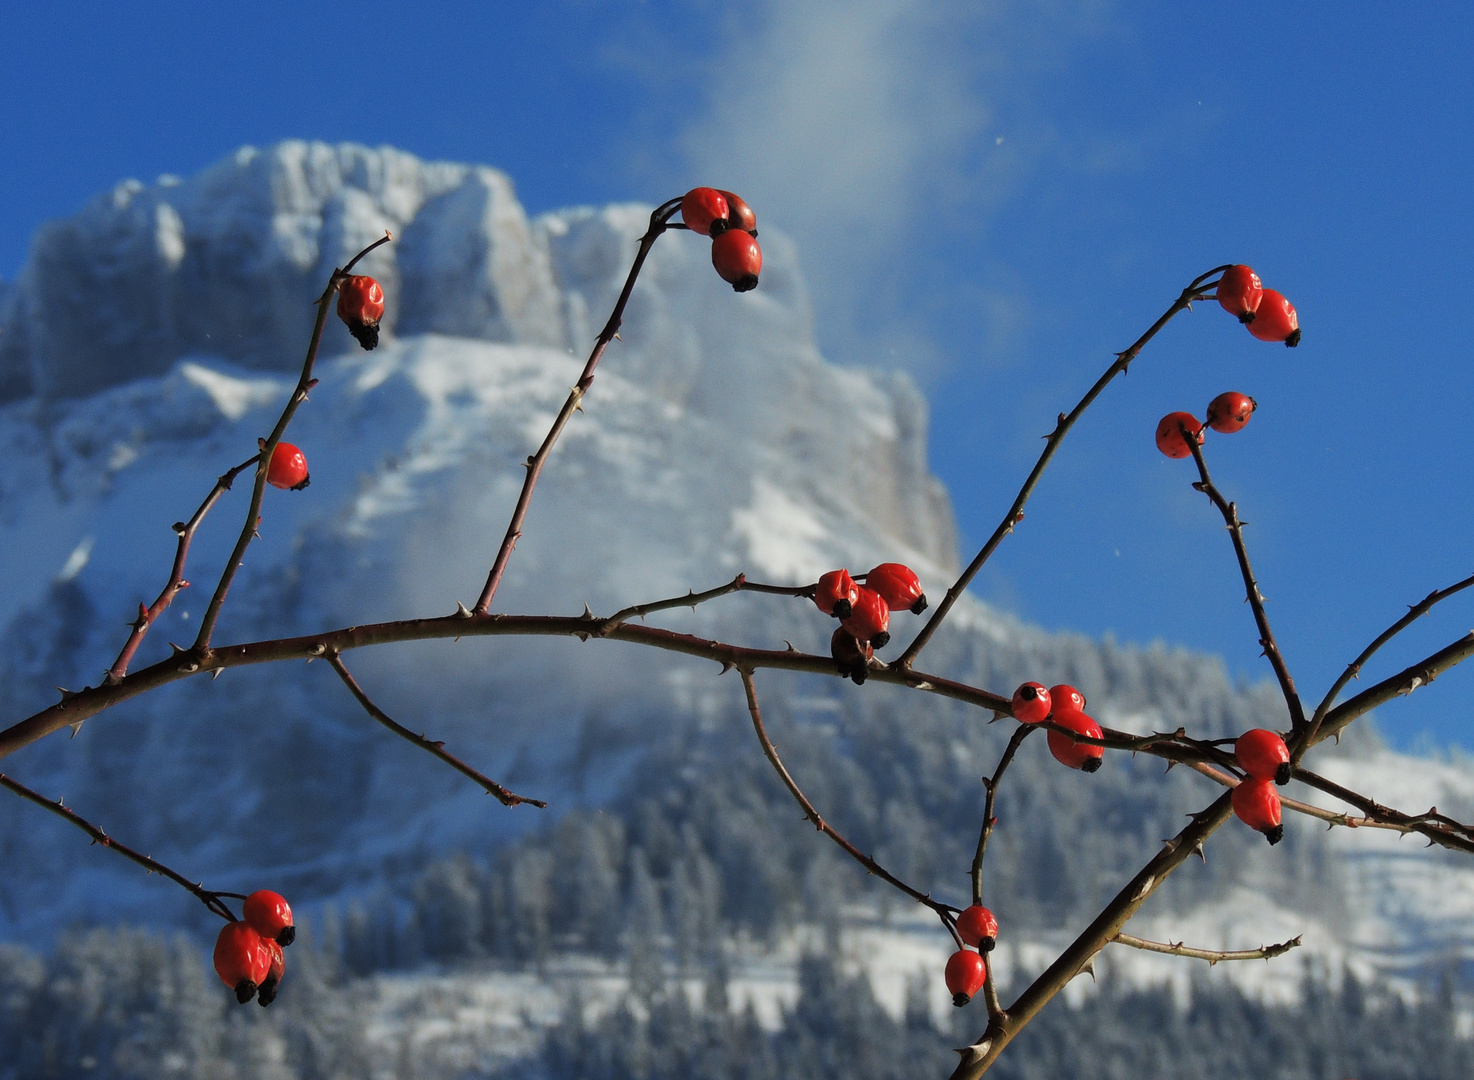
{"x": 1251, "y": 586}
{"x": 1213, "y": 956}
{"x": 691, "y": 599}
{"x": 1062, "y": 427}
{"x": 253, "y": 515}
{"x": 186, "y": 530}
{"x": 205, "y": 896}
{"x": 430, "y": 746}
{"x": 659, "y": 223}
{"x": 990, "y": 785}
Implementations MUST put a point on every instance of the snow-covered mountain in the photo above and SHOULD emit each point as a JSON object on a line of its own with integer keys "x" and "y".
{"x": 153, "y": 336}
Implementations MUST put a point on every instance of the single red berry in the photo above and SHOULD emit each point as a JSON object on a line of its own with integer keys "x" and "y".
{"x": 978, "y": 927}
{"x": 1257, "y": 805}
{"x": 1077, "y": 755}
{"x": 704, "y": 210}
{"x": 738, "y": 259}
{"x": 836, "y": 594}
{"x": 1264, "y": 755}
{"x": 269, "y": 986}
{"x": 739, "y": 214}
{"x": 1230, "y": 411}
{"x": 271, "y": 916}
{"x": 899, "y": 586}
{"x": 1169, "y": 434}
{"x": 1031, "y": 703}
{"x": 1064, "y": 698}
{"x": 1276, "y": 320}
{"x": 870, "y": 618}
{"x": 288, "y": 468}
{"x": 850, "y": 656}
{"x": 1239, "y": 291}
{"x": 242, "y": 960}
{"x": 361, "y": 306}
{"x": 965, "y": 974}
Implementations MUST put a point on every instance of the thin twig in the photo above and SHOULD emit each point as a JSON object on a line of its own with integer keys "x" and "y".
{"x": 1016, "y": 512}
{"x": 205, "y": 896}
{"x": 1251, "y": 586}
{"x": 691, "y": 599}
{"x": 1213, "y": 956}
{"x": 431, "y": 746}
{"x": 990, "y": 785}
{"x": 997, "y": 1014}
{"x": 186, "y": 530}
{"x": 253, "y": 516}
{"x": 659, "y": 223}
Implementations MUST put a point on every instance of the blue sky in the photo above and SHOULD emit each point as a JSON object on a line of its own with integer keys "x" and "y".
{"x": 994, "y": 197}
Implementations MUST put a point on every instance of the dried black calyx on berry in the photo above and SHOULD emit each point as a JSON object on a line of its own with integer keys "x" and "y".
{"x": 920, "y": 605}
{"x": 1282, "y": 774}
{"x": 245, "y": 990}
{"x": 1290, "y": 342}
{"x": 267, "y": 993}
{"x": 367, "y": 333}
{"x": 288, "y": 934}
{"x": 1093, "y": 764}
{"x": 985, "y": 945}
{"x": 300, "y": 487}
{"x": 1274, "y": 835}
{"x": 748, "y": 282}
{"x": 1246, "y": 318}
{"x": 961, "y": 999}
{"x": 843, "y": 609}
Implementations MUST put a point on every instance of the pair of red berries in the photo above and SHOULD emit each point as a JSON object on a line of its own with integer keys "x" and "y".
{"x": 248, "y": 953}
{"x": 1227, "y": 413}
{"x": 1265, "y": 757}
{"x": 1267, "y": 314}
{"x": 361, "y": 306}
{"x": 732, "y": 226}
{"x": 1063, "y": 704}
{"x": 966, "y": 970}
{"x": 865, "y": 610}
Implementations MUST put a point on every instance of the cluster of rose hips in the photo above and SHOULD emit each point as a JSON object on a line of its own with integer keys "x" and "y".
{"x": 1227, "y": 413}
{"x": 865, "y": 610}
{"x": 1263, "y": 755}
{"x": 1267, "y": 314}
{"x": 248, "y": 952}
{"x": 966, "y": 970}
{"x": 1065, "y": 706}
{"x": 732, "y": 226}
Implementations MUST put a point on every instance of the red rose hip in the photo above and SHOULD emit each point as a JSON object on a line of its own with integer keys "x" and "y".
{"x": 361, "y": 306}
{"x": 1169, "y": 434}
{"x": 1276, "y": 320}
{"x": 1077, "y": 755}
{"x": 737, "y": 259}
{"x": 836, "y": 594}
{"x": 1230, "y": 411}
{"x": 704, "y": 210}
{"x": 898, "y": 586}
{"x": 1257, "y": 805}
{"x": 288, "y": 468}
{"x": 1064, "y": 698}
{"x": 1031, "y": 703}
{"x": 1239, "y": 291}
{"x": 739, "y": 214}
{"x": 270, "y": 915}
{"x": 965, "y": 974}
{"x": 870, "y": 619}
{"x": 1263, "y": 755}
{"x": 267, "y": 993}
{"x": 978, "y": 927}
{"x": 242, "y": 960}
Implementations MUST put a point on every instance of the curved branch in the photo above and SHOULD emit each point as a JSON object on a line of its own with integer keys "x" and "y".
{"x": 991, "y": 786}
{"x": 1213, "y": 956}
{"x": 691, "y": 599}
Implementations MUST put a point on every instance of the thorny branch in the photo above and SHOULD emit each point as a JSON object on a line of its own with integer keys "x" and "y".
{"x": 692, "y": 599}
{"x": 205, "y": 896}
{"x": 1213, "y": 956}
{"x": 990, "y": 785}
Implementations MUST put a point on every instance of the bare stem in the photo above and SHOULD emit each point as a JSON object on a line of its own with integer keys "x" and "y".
{"x": 990, "y": 785}
{"x": 430, "y": 746}
{"x": 205, "y": 896}
{"x": 691, "y": 599}
{"x": 1213, "y": 956}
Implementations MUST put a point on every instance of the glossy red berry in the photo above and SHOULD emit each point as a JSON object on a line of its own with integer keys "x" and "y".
{"x": 898, "y": 586}
{"x": 361, "y": 306}
{"x": 1230, "y": 411}
{"x": 267, "y": 993}
{"x": 850, "y": 656}
{"x": 1064, "y": 698}
{"x": 836, "y": 594}
{"x": 1276, "y": 320}
{"x": 978, "y": 927}
{"x": 1169, "y": 434}
{"x": 271, "y": 916}
{"x": 288, "y": 468}
{"x": 704, "y": 210}
{"x": 242, "y": 960}
{"x": 1257, "y": 805}
{"x": 739, "y": 214}
{"x": 1263, "y": 755}
{"x": 1239, "y": 291}
{"x": 1031, "y": 703}
{"x": 966, "y": 972}
{"x": 738, "y": 259}
{"x": 870, "y": 618}
{"x": 1077, "y": 755}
